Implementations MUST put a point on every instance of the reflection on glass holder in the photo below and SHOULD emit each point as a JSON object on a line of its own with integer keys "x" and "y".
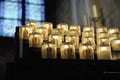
{"x": 49, "y": 50}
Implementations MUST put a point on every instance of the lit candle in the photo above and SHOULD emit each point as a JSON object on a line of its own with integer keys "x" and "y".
{"x": 75, "y": 28}
{"x": 67, "y": 51}
{"x": 89, "y": 40}
{"x": 86, "y": 52}
{"x": 73, "y": 38}
{"x": 87, "y": 34}
{"x": 116, "y": 44}
{"x": 56, "y": 38}
{"x": 49, "y": 26}
{"x": 64, "y": 27}
{"x": 35, "y": 40}
{"x": 88, "y": 29}
{"x": 24, "y": 32}
{"x": 49, "y": 50}
{"x": 112, "y": 31}
{"x": 43, "y": 31}
{"x": 101, "y": 29}
{"x": 104, "y": 52}
{"x": 102, "y": 35}
{"x": 103, "y": 41}
{"x": 32, "y": 24}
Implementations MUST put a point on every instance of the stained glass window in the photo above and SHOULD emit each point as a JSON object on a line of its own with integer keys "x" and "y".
{"x": 34, "y": 11}
{"x": 11, "y": 14}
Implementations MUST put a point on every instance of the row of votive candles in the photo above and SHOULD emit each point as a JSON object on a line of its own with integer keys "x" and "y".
{"x": 99, "y": 42}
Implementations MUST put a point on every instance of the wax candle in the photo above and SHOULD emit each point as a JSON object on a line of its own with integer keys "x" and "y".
{"x": 86, "y": 51}
{"x": 48, "y": 26}
{"x": 67, "y": 51}
{"x": 35, "y": 40}
{"x": 104, "y": 52}
{"x": 49, "y": 50}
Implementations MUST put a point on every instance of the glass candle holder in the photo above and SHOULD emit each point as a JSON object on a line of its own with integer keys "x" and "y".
{"x": 103, "y": 41}
{"x": 116, "y": 44}
{"x": 64, "y": 27}
{"x": 88, "y": 29}
{"x": 89, "y": 40}
{"x": 101, "y": 29}
{"x": 32, "y": 24}
{"x": 113, "y": 30}
{"x": 56, "y": 38}
{"x": 87, "y": 34}
{"x": 35, "y": 40}
{"x": 76, "y": 28}
{"x": 86, "y": 51}
{"x": 67, "y": 51}
{"x": 104, "y": 52}
{"x": 48, "y": 26}
{"x": 114, "y": 36}
{"x": 102, "y": 34}
{"x": 49, "y": 50}
{"x": 75, "y": 32}
{"x": 43, "y": 31}
{"x": 73, "y": 38}
{"x": 24, "y": 32}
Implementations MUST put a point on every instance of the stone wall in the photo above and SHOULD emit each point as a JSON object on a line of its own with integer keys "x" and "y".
{"x": 63, "y": 12}
{"x": 111, "y": 11}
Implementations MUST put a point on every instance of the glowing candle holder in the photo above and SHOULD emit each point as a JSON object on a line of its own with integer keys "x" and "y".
{"x": 102, "y": 34}
{"x": 48, "y": 26}
{"x": 32, "y": 24}
{"x": 56, "y": 38}
{"x": 24, "y": 32}
{"x": 35, "y": 40}
{"x": 112, "y": 31}
{"x": 87, "y": 34}
{"x": 103, "y": 41}
{"x": 86, "y": 51}
{"x": 76, "y": 28}
{"x": 88, "y": 29}
{"x": 89, "y": 40}
{"x": 67, "y": 51}
{"x": 104, "y": 52}
{"x": 75, "y": 32}
{"x": 101, "y": 29}
{"x": 64, "y": 27}
{"x": 114, "y": 36}
{"x": 49, "y": 50}
{"x": 43, "y": 31}
{"x": 116, "y": 44}
{"x": 73, "y": 38}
